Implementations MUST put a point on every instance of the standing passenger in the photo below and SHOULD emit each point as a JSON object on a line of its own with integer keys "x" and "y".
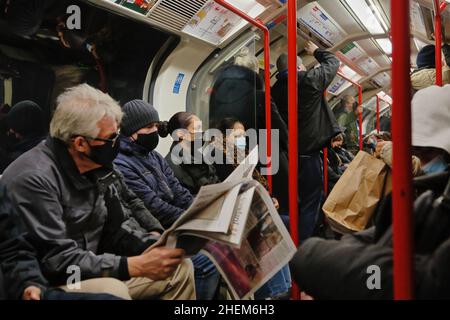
{"x": 316, "y": 126}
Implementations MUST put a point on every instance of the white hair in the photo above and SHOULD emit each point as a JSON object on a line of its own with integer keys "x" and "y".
{"x": 78, "y": 111}
{"x": 245, "y": 59}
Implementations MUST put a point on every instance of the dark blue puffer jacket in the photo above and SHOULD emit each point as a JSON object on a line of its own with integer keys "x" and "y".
{"x": 149, "y": 176}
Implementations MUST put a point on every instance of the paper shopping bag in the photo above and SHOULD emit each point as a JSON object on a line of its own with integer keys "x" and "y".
{"x": 356, "y": 195}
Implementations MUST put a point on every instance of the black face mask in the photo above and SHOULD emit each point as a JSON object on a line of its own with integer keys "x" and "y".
{"x": 11, "y": 140}
{"x": 148, "y": 141}
{"x": 104, "y": 154}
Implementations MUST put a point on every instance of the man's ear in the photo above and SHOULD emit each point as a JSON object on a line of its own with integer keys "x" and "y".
{"x": 80, "y": 144}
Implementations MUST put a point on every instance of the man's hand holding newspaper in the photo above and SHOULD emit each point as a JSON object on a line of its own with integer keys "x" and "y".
{"x": 236, "y": 224}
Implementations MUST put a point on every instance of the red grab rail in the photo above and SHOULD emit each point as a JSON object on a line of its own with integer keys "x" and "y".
{"x": 438, "y": 9}
{"x": 257, "y": 23}
{"x": 401, "y": 133}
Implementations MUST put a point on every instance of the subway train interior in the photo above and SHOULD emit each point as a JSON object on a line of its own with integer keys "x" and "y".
{"x": 357, "y": 174}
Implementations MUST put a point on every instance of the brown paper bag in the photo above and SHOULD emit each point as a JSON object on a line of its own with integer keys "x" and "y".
{"x": 356, "y": 195}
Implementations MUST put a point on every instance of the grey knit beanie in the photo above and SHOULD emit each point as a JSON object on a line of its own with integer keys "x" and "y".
{"x": 137, "y": 115}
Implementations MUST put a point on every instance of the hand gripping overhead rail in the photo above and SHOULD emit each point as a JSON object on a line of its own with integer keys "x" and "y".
{"x": 260, "y": 25}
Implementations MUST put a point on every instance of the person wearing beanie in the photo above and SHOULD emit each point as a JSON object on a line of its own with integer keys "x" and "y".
{"x": 150, "y": 177}
{"x": 25, "y": 123}
{"x": 425, "y": 75}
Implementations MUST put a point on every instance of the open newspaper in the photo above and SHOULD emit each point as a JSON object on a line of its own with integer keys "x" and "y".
{"x": 237, "y": 226}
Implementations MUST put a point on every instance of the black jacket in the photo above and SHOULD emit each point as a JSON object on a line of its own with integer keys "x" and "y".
{"x": 18, "y": 261}
{"x": 150, "y": 177}
{"x": 238, "y": 92}
{"x": 193, "y": 176}
{"x": 90, "y": 220}
{"x": 330, "y": 269}
{"x": 316, "y": 122}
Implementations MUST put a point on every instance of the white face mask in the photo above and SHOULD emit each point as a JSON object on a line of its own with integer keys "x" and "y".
{"x": 241, "y": 142}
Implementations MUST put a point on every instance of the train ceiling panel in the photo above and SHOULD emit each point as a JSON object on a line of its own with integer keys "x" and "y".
{"x": 202, "y": 19}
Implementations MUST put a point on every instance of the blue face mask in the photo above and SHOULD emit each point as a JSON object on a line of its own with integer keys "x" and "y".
{"x": 436, "y": 165}
{"x": 241, "y": 143}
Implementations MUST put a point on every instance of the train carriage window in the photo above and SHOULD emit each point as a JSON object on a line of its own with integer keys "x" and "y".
{"x": 228, "y": 84}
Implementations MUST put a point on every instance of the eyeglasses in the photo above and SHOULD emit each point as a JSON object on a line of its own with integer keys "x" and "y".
{"x": 112, "y": 139}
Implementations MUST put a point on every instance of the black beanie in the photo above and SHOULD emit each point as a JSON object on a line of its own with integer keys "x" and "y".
{"x": 426, "y": 57}
{"x": 26, "y": 118}
{"x": 137, "y": 115}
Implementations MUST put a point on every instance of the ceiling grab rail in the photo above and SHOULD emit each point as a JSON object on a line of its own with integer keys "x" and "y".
{"x": 360, "y": 117}
{"x": 402, "y": 201}
{"x": 260, "y": 25}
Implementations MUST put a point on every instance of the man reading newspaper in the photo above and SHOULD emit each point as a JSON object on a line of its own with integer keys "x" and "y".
{"x": 235, "y": 224}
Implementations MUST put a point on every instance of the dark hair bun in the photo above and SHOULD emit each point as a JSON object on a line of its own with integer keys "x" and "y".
{"x": 163, "y": 129}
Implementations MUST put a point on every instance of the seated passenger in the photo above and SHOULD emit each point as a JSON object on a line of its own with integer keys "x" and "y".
{"x": 22, "y": 276}
{"x": 79, "y": 213}
{"x": 25, "y": 122}
{"x": 337, "y": 144}
{"x": 344, "y": 264}
{"x": 233, "y": 136}
{"x": 194, "y": 174}
{"x": 233, "y": 142}
{"x": 425, "y": 75}
{"x": 147, "y": 174}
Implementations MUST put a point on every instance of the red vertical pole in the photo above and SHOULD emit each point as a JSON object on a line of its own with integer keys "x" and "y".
{"x": 265, "y": 30}
{"x": 325, "y": 171}
{"x": 292, "y": 126}
{"x": 268, "y": 105}
{"x": 378, "y": 114}
{"x": 360, "y": 118}
{"x": 401, "y": 133}
{"x": 438, "y": 37}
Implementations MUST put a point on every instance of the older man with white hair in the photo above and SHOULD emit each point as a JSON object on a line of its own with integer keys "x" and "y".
{"x": 88, "y": 229}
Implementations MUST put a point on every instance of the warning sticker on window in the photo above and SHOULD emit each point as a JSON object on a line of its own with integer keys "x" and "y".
{"x": 178, "y": 82}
